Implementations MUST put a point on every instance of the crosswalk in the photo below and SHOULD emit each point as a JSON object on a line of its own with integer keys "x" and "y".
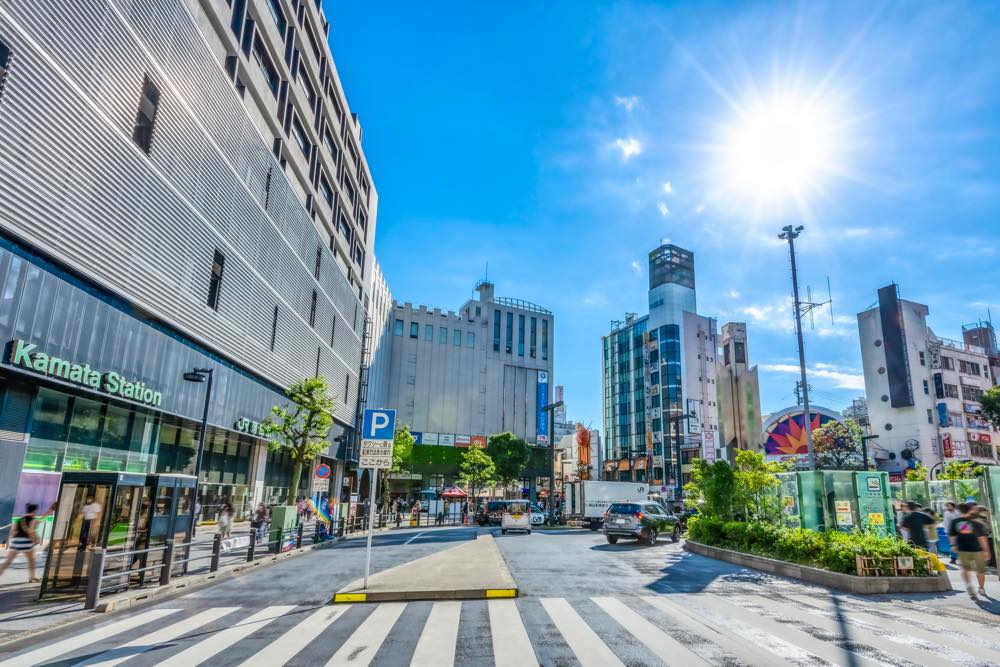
{"x": 696, "y": 629}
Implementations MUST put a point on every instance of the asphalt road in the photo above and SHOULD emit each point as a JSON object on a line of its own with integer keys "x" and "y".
{"x": 583, "y": 602}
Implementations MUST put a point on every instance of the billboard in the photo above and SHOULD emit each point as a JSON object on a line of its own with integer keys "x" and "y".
{"x": 479, "y": 441}
{"x": 463, "y": 440}
{"x": 446, "y": 439}
{"x": 694, "y": 408}
{"x": 785, "y": 433}
{"x": 542, "y": 421}
{"x": 429, "y": 438}
{"x": 417, "y": 437}
{"x": 896, "y": 363}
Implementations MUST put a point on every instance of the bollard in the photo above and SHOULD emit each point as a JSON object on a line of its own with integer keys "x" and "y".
{"x": 167, "y": 565}
{"x": 94, "y": 573}
{"x": 253, "y": 545}
{"x": 216, "y": 551}
{"x": 298, "y": 536}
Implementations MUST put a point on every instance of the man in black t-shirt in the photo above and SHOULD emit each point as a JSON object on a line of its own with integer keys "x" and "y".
{"x": 916, "y": 523}
{"x": 968, "y": 537}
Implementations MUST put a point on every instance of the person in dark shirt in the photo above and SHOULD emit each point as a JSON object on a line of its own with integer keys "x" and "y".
{"x": 916, "y": 523}
{"x": 968, "y": 536}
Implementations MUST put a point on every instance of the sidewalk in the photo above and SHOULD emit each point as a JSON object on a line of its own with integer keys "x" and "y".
{"x": 470, "y": 571}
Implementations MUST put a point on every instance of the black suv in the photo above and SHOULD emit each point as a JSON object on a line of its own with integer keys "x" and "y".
{"x": 490, "y": 513}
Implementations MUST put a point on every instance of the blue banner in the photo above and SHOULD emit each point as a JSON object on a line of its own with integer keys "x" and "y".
{"x": 418, "y": 437}
{"x": 542, "y": 430}
{"x": 943, "y": 419}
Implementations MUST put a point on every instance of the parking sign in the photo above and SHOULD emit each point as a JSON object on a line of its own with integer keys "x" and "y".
{"x": 378, "y": 424}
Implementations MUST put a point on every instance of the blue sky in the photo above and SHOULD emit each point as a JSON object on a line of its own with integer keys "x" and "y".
{"x": 540, "y": 137}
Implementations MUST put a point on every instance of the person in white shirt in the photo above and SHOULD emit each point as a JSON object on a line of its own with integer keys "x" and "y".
{"x": 950, "y": 514}
{"x": 91, "y": 511}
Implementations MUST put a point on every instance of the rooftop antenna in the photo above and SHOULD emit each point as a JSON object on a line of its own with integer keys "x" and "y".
{"x": 809, "y": 305}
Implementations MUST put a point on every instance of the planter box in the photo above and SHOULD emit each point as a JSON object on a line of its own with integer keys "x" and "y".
{"x": 844, "y": 582}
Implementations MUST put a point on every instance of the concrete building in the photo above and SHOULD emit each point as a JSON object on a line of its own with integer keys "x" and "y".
{"x": 191, "y": 194}
{"x": 658, "y": 366}
{"x": 922, "y": 390}
{"x": 457, "y": 377}
{"x": 739, "y": 394}
{"x": 858, "y": 411}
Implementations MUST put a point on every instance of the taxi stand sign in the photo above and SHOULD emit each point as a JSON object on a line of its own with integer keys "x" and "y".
{"x": 378, "y": 429}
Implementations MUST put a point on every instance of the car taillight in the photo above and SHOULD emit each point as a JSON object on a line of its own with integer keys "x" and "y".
{"x": 640, "y": 516}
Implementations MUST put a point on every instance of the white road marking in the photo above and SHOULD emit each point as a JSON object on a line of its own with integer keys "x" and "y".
{"x": 586, "y": 645}
{"x": 436, "y": 645}
{"x": 723, "y": 638}
{"x": 154, "y": 639}
{"x": 50, "y": 651}
{"x": 511, "y": 646}
{"x": 668, "y": 649}
{"x": 363, "y": 644}
{"x": 218, "y": 642}
{"x": 285, "y": 647}
{"x": 415, "y": 537}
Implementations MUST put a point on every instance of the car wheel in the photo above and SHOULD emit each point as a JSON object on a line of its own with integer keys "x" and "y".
{"x": 503, "y": 531}
{"x": 676, "y": 535}
{"x": 651, "y": 537}
{"x": 594, "y": 525}
{"x": 612, "y": 539}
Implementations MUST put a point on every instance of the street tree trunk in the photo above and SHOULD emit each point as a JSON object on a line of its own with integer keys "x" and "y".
{"x": 293, "y": 487}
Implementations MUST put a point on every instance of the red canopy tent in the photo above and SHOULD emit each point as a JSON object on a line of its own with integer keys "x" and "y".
{"x": 454, "y": 492}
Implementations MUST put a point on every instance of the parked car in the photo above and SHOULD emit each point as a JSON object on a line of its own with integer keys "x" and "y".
{"x": 639, "y": 521}
{"x": 490, "y": 513}
{"x": 516, "y": 516}
{"x": 537, "y": 515}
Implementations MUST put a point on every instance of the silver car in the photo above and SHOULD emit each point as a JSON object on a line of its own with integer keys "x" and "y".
{"x": 639, "y": 521}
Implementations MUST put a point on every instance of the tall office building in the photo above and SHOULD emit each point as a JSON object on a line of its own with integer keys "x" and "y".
{"x": 191, "y": 194}
{"x": 739, "y": 393}
{"x": 922, "y": 390}
{"x": 458, "y": 377}
{"x": 657, "y": 367}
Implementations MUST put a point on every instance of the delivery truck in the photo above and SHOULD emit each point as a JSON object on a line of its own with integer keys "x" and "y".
{"x": 587, "y": 501}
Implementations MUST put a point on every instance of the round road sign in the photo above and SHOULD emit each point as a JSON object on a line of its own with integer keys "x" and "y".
{"x": 323, "y": 471}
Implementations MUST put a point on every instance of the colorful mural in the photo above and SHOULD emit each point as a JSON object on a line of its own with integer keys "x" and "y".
{"x": 785, "y": 434}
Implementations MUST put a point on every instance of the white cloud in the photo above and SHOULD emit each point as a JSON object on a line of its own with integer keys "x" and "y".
{"x": 700, "y": 209}
{"x": 667, "y": 187}
{"x": 662, "y": 208}
{"x": 629, "y": 102}
{"x": 629, "y": 147}
{"x": 733, "y": 294}
{"x": 841, "y": 378}
{"x": 637, "y": 267}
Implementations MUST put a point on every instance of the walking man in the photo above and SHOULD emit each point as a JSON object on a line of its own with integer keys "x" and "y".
{"x": 950, "y": 514}
{"x": 968, "y": 536}
{"x": 916, "y": 523}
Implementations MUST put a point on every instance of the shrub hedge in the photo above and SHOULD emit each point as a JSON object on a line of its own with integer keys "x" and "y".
{"x": 831, "y": 550}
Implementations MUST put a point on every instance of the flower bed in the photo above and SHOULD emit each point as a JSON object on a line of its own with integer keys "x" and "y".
{"x": 830, "y": 550}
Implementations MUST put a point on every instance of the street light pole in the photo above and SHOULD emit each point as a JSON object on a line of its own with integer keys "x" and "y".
{"x": 200, "y": 375}
{"x": 551, "y": 409}
{"x": 678, "y": 470}
{"x": 790, "y": 234}
{"x": 864, "y": 447}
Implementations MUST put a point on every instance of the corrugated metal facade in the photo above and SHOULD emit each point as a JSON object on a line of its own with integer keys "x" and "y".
{"x": 145, "y": 227}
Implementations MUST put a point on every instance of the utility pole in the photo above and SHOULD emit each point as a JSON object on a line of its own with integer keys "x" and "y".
{"x": 789, "y": 234}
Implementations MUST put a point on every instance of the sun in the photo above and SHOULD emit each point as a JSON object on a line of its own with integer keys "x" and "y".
{"x": 779, "y": 148}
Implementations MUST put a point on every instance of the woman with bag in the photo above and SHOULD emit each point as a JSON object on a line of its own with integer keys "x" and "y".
{"x": 23, "y": 540}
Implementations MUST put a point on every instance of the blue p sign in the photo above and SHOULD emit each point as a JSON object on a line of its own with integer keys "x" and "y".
{"x": 378, "y": 425}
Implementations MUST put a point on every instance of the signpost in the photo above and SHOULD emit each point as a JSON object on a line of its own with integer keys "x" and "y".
{"x": 378, "y": 429}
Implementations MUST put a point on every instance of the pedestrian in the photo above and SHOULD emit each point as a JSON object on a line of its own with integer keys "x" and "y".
{"x": 984, "y": 517}
{"x": 91, "y": 511}
{"x": 950, "y": 514}
{"x": 916, "y": 522}
{"x": 225, "y": 521}
{"x": 300, "y": 509}
{"x": 968, "y": 536}
{"x": 308, "y": 509}
{"x": 23, "y": 541}
{"x": 259, "y": 522}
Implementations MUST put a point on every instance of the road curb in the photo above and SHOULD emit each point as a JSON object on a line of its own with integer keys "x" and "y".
{"x": 413, "y": 596}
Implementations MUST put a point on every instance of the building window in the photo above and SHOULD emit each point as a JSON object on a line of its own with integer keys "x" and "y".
{"x": 470, "y": 339}
{"x": 520, "y": 335}
{"x": 274, "y": 328}
{"x": 145, "y": 117}
{"x": 429, "y": 332}
{"x": 456, "y": 338}
{"x": 347, "y": 388}
{"x": 414, "y": 329}
{"x": 398, "y": 328}
{"x": 266, "y": 66}
{"x": 950, "y": 390}
{"x": 947, "y": 363}
{"x": 545, "y": 340}
{"x": 443, "y": 336}
{"x": 279, "y": 16}
{"x": 312, "y": 309}
{"x": 496, "y": 330}
{"x": 930, "y": 416}
{"x": 4, "y": 64}
{"x": 300, "y": 135}
{"x": 333, "y": 330}
{"x": 534, "y": 336}
{"x": 325, "y": 189}
{"x": 510, "y": 333}
{"x": 318, "y": 263}
{"x": 971, "y": 393}
{"x": 307, "y": 87}
{"x": 927, "y": 387}
{"x": 923, "y": 359}
{"x": 215, "y": 282}
{"x": 331, "y": 145}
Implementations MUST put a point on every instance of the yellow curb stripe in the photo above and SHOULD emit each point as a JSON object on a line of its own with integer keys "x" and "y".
{"x": 501, "y": 592}
{"x": 350, "y": 597}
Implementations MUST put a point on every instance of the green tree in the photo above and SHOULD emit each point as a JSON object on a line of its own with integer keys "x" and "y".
{"x": 301, "y": 429}
{"x": 991, "y": 405}
{"x": 510, "y": 455}
{"x": 961, "y": 470}
{"x": 402, "y": 453}
{"x": 712, "y": 487}
{"x": 837, "y": 446}
{"x": 754, "y": 484}
{"x": 918, "y": 474}
{"x": 477, "y": 471}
